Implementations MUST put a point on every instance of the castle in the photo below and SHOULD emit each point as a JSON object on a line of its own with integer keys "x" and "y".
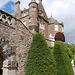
{"x": 16, "y": 34}
{"x": 35, "y": 19}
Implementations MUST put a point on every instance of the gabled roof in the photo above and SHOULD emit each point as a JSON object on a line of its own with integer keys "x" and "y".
{"x": 41, "y": 8}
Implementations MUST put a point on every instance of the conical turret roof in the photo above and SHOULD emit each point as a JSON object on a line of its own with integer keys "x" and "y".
{"x": 52, "y": 20}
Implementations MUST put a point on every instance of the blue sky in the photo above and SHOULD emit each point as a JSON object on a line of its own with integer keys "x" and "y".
{"x": 9, "y": 7}
{"x": 62, "y": 10}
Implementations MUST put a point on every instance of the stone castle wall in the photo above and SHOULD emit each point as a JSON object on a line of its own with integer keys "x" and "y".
{"x": 24, "y": 40}
{"x": 20, "y": 38}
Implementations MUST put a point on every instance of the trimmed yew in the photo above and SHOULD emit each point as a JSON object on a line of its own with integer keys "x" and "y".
{"x": 40, "y": 60}
{"x": 63, "y": 63}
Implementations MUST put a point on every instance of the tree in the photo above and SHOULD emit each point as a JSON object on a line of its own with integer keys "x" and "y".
{"x": 69, "y": 52}
{"x": 72, "y": 48}
{"x": 63, "y": 62}
{"x": 59, "y": 36}
{"x": 40, "y": 60}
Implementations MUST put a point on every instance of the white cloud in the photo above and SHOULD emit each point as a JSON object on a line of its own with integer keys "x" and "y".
{"x": 62, "y": 10}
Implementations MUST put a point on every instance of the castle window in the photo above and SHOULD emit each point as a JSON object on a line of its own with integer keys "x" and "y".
{"x": 24, "y": 14}
{"x": 34, "y": 9}
{"x": 62, "y": 29}
{"x": 30, "y": 19}
{"x": 24, "y": 22}
{"x": 56, "y": 27}
{"x": 42, "y": 26}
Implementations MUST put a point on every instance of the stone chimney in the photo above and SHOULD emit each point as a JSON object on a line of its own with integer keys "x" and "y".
{"x": 17, "y": 11}
{"x": 17, "y": 5}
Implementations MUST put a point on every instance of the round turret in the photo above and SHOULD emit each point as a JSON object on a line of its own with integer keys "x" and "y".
{"x": 33, "y": 15}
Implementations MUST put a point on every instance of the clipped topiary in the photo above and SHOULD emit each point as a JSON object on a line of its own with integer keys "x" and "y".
{"x": 63, "y": 62}
{"x": 39, "y": 61}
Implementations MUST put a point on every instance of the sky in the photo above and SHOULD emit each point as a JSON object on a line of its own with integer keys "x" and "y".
{"x": 62, "y": 10}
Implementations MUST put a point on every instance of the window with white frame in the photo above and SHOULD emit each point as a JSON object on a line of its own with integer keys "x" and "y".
{"x": 62, "y": 29}
{"x": 24, "y": 22}
{"x": 56, "y": 27}
{"x": 42, "y": 26}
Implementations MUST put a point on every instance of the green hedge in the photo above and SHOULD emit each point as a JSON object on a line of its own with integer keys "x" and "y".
{"x": 40, "y": 60}
{"x": 63, "y": 62}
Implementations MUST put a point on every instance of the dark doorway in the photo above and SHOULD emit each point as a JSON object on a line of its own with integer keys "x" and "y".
{"x": 1, "y": 71}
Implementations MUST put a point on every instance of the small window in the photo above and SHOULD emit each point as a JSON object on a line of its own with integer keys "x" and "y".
{"x": 24, "y": 14}
{"x": 56, "y": 27}
{"x": 34, "y": 9}
{"x": 62, "y": 29}
{"x": 24, "y": 22}
{"x": 42, "y": 26}
{"x": 30, "y": 19}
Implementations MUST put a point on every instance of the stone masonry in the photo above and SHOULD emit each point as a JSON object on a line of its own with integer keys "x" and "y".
{"x": 20, "y": 38}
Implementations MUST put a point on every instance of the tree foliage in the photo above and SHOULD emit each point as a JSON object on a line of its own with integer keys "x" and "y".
{"x": 69, "y": 52}
{"x": 63, "y": 62}
{"x": 72, "y": 48}
{"x": 40, "y": 60}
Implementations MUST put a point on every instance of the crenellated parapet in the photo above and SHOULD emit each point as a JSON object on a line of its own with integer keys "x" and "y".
{"x": 7, "y": 18}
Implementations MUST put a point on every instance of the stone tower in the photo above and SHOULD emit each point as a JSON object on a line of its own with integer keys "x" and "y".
{"x": 33, "y": 15}
{"x": 53, "y": 28}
